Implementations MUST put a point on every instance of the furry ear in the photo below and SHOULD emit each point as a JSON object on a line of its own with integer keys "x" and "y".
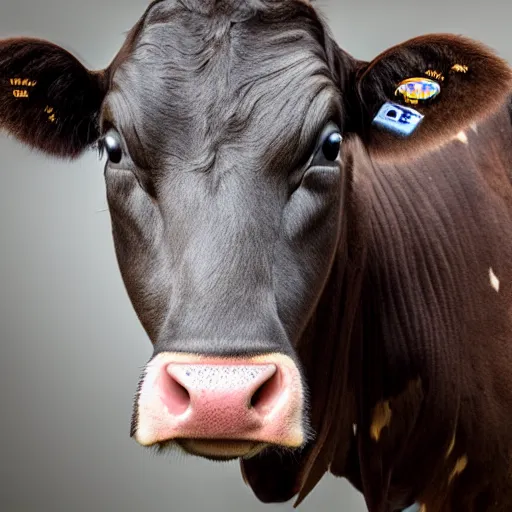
{"x": 48, "y": 99}
{"x": 452, "y": 81}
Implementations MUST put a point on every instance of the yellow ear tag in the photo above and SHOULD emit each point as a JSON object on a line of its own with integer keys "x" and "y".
{"x": 418, "y": 89}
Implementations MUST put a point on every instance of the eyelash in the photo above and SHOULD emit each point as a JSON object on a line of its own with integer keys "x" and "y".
{"x": 100, "y": 148}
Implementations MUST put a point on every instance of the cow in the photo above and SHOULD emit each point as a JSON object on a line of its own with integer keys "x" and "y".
{"x": 318, "y": 247}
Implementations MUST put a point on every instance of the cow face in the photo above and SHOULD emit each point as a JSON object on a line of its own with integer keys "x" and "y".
{"x": 222, "y": 127}
{"x": 225, "y": 197}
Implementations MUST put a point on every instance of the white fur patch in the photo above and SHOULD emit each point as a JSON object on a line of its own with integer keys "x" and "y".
{"x": 495, "y": 282}
{"x": 462, "y": 137}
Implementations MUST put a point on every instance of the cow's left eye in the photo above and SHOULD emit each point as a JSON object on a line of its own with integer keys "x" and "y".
{"x": 329, "y": 146}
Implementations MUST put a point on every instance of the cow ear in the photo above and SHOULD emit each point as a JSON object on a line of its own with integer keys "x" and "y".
{"x": 421, "y": 93}
{"x": 48, "y": 99}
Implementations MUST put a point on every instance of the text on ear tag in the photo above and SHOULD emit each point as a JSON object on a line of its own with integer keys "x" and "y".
{"x": 397, "y": 119}
{"x": 418, "y": 89}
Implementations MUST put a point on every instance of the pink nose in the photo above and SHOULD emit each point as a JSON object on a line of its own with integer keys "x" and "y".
{"x": 187, "y": 397}
{"x": 243, "y": 393}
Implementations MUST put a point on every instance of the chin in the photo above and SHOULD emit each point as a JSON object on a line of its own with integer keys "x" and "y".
{"x": 220, "y": 450}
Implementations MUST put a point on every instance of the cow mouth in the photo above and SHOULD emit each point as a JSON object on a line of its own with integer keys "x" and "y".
{"x": 221, "y": 449}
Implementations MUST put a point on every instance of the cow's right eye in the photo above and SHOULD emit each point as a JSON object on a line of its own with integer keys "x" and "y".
{"x": 111, "y": 143}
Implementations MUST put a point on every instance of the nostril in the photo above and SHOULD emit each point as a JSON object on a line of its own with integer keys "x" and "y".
{"x": 266, "y": 395}
{"x": 175, "y": 396}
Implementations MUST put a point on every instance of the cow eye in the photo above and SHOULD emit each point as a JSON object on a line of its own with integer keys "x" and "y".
{"x": 111, "y": 143}
{"x": 329, "y": 146}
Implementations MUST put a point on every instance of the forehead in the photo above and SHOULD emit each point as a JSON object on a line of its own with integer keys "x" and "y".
{"x": 209, "y": 72}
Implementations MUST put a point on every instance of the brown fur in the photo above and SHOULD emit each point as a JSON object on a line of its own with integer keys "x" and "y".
{"x": 437, "y": 342}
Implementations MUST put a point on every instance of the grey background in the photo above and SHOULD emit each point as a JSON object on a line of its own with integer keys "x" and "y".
{"x": 71, "y": 348}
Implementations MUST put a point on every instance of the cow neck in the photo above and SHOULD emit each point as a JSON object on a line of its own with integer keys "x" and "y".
{"x": 329, "y": 353}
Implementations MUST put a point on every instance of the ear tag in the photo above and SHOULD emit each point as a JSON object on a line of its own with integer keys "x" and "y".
{"x": 418, "y": 89}
{"x": 397, "y": 119}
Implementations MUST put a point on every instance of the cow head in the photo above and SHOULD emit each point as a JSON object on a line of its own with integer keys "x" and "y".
{"x": 223, "y": 126}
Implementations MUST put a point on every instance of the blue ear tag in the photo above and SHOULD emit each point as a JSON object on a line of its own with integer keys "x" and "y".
{"x": 398, "y": 119}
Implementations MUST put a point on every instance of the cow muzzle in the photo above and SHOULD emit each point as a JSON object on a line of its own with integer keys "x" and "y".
{"x": 220, "y": 408}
